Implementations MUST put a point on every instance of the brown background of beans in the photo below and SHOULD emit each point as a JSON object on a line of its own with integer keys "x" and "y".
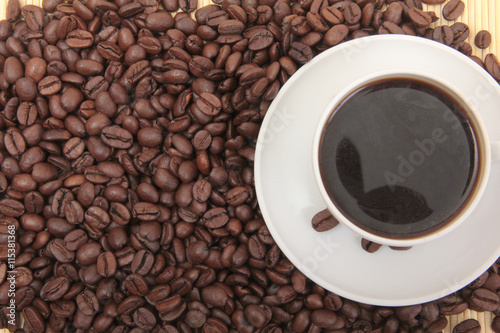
{"x": 478, "y": 15}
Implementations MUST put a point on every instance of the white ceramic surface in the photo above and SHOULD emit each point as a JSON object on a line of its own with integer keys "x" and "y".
{"x": 288, "y": 196}
{"x": 480, "y": 134}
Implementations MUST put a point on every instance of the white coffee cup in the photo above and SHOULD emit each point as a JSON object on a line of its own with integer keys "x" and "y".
{"x": 484, "y": 147}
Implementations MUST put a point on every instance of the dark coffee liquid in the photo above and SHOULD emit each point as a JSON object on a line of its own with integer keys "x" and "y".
{"x": 399, "y": 157}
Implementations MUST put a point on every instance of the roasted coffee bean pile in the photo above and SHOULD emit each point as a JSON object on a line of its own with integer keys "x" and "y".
{"x": 126, "y": 154}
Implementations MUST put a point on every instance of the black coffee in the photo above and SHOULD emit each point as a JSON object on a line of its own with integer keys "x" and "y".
{"x": 399, "y": 157}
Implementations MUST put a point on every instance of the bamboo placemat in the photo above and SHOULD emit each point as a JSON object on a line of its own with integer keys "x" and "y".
{"x": 478, "y": 15}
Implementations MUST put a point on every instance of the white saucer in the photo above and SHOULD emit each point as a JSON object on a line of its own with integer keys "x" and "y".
{"x": 289, "y": 198}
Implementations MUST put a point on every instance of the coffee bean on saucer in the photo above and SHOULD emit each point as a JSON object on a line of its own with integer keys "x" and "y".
{"x": 400, "y": 248}
{"x": 369, "y": 246}
{"x": 324, "y": 221}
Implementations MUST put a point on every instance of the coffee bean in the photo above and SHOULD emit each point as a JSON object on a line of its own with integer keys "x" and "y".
{"x": 453, "y": 309}
{"x": 33, "y": 16}
{"x": 74, "y": 148}
{"x": 109, "y": 50}
{"x": 209, "y": 104}
{"x": 237, "y": 196}
{"x": 33, "y": 202}
{"x": 393, "y": 13}
{"x": 197, "y": 252}
{"x": 323, "y": 318}
{"x": 146, "y": 211}
{"x": 116, "y": 137}
{"x": 60, "y": 252}
{"x": 143, "y": 262}
{"x": 437, "y": 325}
{"x": 495, "y": 324}
{"x": 13, "y": 10}
{"x": 75, "y": 239}
{"x": 482, "y": 39}
{"x": 169, "y": 304}
{"x": 97, "y": 217}
{"x": 187, "y": 5}
{"x": 443, "y": 34}
{"x": 324, "y": 221}
{"x": 87, "y": 254}
{"x": 400, "y": 248}
{"x": 492, "y": 65}
{"x": 106, "y": 264}
{"x": 33, "y": 320}
{"x": 369, "y": 246}
{"x": 55, "y": 289}
{"x": 260, "y": 40}
{"x": 300, "y": 52}
{"x": 11, "y": 207}
{"x": 300, "y": 26}
{"x": 214, "y": 295}
{"x": 24, "y": 183}
{"x": 477, "y": 60}
{"x": 464, "y": 48}
{"x": 332, "y": 15}
{"x": 467, "y": 326}
{"x": 13, "y": 70}
{"x": 216, "y": 217}
{"x": 453, "y": 9}
{"x": 79, "y": 39}
{"x": 61, "y": 198}
{"x": 87, "y": 302}
{"x": 14, "y": 143}
{"x": 336, "y": 34}
{"x": 94, "y": 86}
{"x": 195, "y": 318}
{"x": 26, "y": 88}
{"x": 27, "y": 113}
{"x": 89, "y": 67}
{"x": 130, "y": 9}
{"x": 231, "y": 27}
{"x": 460, "y": 32}
{"x": 485, "y": 299}
{"x": 49, "y": 85}
{"x": 352, "y": 13}
{"x": 388, "y": 27}
{"x": 144, "y": 319}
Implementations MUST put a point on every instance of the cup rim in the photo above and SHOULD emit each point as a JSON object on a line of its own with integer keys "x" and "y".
{"x": 482, "y": 173}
